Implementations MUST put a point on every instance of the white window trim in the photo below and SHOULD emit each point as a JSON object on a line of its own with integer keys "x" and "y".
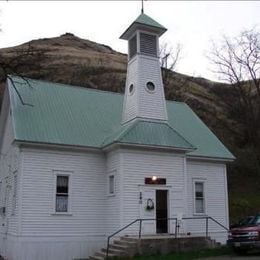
{"x": 112, "y": 173}
{"x": 194, "y": 181}
{"x": 62, "y": 173}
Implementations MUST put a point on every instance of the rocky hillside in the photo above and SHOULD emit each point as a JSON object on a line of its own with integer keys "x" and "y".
{"x": 71, "y": 60}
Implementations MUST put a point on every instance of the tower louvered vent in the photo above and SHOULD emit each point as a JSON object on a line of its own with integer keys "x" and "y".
{"x": 132, "y": 47}
{"x": 148, "y": 44}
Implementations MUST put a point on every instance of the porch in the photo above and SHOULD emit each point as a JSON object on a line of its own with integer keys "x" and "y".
{"x": 164, "y": 243}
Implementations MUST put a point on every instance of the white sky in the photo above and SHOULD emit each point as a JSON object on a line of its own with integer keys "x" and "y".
{"x": 192, "y": 23}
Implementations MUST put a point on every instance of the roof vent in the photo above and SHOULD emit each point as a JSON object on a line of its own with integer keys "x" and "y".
{"x": 132, "y": 47}
{"x": 148, "y": 44}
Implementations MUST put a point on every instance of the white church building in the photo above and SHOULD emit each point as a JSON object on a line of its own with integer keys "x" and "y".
{"x": 78, "y": 164}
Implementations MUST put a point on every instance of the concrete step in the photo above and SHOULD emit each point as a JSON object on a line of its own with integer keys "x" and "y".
{"x": 113, "y": 251}
{"x": 96, "y": 258}
{"x": 129, "y": 239}
{"x": 103, "y": 254}
{"x": 125, "y": 243}
{"x": 119, "y": 247}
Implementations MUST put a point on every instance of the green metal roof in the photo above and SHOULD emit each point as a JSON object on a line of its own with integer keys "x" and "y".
{"x": 152, "y": 133}
{"x": 144, "y": 21}
{"x": 69, "y": 115}
{"x": 147, "y": 20}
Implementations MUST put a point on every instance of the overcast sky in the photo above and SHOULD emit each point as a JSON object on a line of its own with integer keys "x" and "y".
{"x": 192, "y": 23}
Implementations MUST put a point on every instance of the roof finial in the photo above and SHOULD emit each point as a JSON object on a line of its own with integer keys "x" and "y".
{"x": 142, "y": 10}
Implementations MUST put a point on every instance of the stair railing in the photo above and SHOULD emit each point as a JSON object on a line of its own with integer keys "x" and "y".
{"x": 121, "y": 229}
{"x": 177, "y": 226}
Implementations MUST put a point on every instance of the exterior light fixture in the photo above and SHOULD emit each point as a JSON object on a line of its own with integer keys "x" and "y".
{"x": 154, "y": 178}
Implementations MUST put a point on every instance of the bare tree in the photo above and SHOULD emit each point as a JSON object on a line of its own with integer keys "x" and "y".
{"x": 169, "y": 58}
{"x": 20, "y": 63}
{"x": 237, "y": 61}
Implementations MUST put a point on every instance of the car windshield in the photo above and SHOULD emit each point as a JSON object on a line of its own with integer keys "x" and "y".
{"x": 246, "y": 221}
{"x": 254, "y": 221}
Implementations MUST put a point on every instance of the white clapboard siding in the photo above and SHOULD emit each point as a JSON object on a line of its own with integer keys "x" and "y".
{"x": 151, "y": 105}
{"x": 136, "y": 165}
{"x": 113, "y": 201}
{"x": 50, "y": 248}
{"x": 130, "y": 109}
{"x": 9, "y": 161}
{"x": 143, "y": 103}
{"x": 214, "y": 177}
{"x": 87, "y": 193}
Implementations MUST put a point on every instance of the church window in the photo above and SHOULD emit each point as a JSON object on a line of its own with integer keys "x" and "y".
{"x": 62, "y": 193}
{"x": 199, "y": 197}
{"x": 111, "y": 184}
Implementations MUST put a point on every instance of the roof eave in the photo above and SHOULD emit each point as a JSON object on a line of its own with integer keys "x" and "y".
{"x": 211, "y": 158}
{"x": 148, "y": 146}
{"x": 55, "y": 145}
{"x": 135, "y": 26}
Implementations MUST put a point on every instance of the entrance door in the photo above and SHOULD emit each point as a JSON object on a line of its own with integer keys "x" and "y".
{"x": 148, "y": 210}
{"x": 161, "y": 211}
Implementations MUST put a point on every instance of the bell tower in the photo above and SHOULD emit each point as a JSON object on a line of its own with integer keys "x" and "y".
{"x": 144, "y": 94}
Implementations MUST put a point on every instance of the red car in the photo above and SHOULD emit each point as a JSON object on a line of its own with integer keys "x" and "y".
{"x": 245, "y": 235}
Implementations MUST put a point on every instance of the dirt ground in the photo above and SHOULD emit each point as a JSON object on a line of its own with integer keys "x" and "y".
{"x": 233, "y": 257}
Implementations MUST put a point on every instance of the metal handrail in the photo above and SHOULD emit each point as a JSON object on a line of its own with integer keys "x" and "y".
{"x": 115, "y": 233}
{"x": 227, "y": 229}
{"x": 140, "y": 220}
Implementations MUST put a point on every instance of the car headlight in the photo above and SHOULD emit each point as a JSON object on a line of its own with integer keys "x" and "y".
{"x": 253, "y": 234}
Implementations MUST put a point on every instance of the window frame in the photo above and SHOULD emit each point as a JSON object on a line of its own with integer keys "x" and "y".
{"x": 69, "y": 175}
{"x": 203, "y": 181}
{"x": 111, "y": 174}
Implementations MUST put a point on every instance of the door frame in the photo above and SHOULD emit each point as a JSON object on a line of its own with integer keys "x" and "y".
{"x": 154, "y": 188}
{"x": 167, "y": 193}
